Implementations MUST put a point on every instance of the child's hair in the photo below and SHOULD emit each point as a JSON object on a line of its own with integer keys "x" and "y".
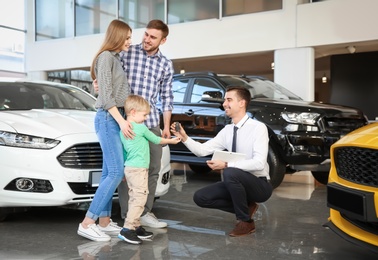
{"x": 137, "y": 103}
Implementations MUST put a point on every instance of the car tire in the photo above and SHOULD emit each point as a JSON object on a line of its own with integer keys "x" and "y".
{"x": 277, "y": 168}
{"x": 321, "y": 177}
{"x": 199, "y": 168}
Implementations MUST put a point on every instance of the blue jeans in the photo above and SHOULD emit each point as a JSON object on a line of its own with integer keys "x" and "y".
{"x": 107, "y": 130}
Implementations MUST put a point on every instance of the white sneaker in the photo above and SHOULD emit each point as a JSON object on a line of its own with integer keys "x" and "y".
{"x": 92, "y": 233}
{"x": 111, "y": 228}
{"x": 149, "y": 220}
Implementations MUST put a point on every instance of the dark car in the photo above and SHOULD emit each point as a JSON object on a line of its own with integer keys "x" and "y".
{"x": 301, "y": 133}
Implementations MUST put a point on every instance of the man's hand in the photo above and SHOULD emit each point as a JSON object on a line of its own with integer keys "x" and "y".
{"x": 216, "y": 164}
{"x": 180, "y": 133}
{"x": 166, "y": 133}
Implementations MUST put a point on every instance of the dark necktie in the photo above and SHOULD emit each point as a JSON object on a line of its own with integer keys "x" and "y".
{"x": 234, "y": 139}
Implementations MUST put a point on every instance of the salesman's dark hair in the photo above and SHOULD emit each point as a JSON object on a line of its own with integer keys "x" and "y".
{"x": 242, "y": 93}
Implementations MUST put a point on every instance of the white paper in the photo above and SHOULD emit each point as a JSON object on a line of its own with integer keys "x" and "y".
{"x": 228, "y": 156}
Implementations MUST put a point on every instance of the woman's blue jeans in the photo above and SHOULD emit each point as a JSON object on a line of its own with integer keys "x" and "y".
{"x": 107, "y": 130}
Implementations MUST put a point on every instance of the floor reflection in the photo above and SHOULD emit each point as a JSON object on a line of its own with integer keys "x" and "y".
{"x": 295, "y": 191}
{"x": 288, "y": 226}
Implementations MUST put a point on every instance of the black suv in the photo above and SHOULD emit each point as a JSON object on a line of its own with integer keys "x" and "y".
{"x": 300, "y": 132}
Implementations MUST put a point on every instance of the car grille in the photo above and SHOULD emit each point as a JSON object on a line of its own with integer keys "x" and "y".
{"x": 82, "y": 188}
{"x": 342, "y": 125}
{"x": 82, "y": 156}
{"x": 358, "y": 165}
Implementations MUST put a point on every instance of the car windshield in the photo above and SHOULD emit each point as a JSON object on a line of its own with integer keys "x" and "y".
{"x": 26, "y": 96}
{"x": 260, "y": 88}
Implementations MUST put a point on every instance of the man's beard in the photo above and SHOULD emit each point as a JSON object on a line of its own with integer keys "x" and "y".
{"x": 149, "y": 48}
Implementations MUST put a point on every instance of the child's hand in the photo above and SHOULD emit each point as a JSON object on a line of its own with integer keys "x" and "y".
{"x": 175, "y": 140}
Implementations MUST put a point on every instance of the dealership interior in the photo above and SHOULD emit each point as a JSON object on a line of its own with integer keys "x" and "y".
{"x": 324, "y": 51}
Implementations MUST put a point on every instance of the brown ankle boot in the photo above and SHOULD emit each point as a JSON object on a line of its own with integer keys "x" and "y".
{"x": 243, "y": 228}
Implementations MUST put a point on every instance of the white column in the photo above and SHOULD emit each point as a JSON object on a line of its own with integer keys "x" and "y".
{"x": 294, "y": 69}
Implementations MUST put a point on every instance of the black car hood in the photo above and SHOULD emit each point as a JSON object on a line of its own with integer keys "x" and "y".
{"x": 308, "y": 106}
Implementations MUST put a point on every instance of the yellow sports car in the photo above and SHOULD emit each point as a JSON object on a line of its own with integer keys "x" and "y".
{"x": 352, "y": 189}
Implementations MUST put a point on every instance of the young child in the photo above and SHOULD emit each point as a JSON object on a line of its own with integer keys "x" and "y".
{"x": 137, "y": 160}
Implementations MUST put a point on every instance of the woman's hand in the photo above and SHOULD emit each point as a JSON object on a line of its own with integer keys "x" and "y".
{"x": 95, "y": 86}
{"x": 127, "y": 129}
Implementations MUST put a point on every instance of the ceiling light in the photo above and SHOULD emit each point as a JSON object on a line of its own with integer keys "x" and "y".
{"x": 351, "y": 49}
{"x": 182, "y": 71}
{"x": 324, "y": 78}
{"x": 272, "y": 65}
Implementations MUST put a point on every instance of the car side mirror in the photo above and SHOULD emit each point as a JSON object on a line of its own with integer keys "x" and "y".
{"x": 212, "y": 96}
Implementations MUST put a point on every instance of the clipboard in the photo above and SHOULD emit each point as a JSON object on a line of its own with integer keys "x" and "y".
{"x": 227, "y": 156}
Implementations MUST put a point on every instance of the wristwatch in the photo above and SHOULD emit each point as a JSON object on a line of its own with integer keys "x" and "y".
{"x": 226, "y": 165}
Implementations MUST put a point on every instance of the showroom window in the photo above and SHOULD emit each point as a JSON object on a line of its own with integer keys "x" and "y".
{"x": 12, "y": 31}
{"x": 181, "y": 11}
{"x": 94, "y": 16}
{"x": 237, "y": 7}
{"x": 54, "y": 19}
{"x": 68, "y": 18}
{"x": 137, "y": 13}
{"x": 78, "y": 78}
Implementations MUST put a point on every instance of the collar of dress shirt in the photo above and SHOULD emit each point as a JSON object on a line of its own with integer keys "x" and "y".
{"x": 242, "y": 121}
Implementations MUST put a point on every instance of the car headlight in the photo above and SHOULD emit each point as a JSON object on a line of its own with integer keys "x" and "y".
{"x": 300, "y": 118}
{"x": 26, "y": 141}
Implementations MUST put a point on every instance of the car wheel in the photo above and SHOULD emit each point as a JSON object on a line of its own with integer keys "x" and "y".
{"x": 277, "y": 168}
{"x": 321, "y": 177}
{"x": 199, "y": 168}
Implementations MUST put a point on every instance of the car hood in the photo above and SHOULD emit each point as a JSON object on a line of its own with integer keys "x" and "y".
{"x": 50, "y": 123}
{"x": 366, "y": 136}
{"x": 310, "y": 106}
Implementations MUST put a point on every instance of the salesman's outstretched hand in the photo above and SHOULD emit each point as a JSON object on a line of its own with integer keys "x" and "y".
{"x": 179, "y": 131}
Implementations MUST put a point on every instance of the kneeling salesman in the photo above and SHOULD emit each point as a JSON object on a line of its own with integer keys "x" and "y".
{"x": 245, "y": 182}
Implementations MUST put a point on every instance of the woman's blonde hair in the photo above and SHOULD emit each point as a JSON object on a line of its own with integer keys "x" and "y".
{"x": 115, "y": 38}
{"x": 137, "y": 103}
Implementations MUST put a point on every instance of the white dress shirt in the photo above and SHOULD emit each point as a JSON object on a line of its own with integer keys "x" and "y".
{"x": 252, "y": 140}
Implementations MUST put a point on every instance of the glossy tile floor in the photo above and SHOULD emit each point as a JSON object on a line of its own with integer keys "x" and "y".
{"x": 288, "y": 226}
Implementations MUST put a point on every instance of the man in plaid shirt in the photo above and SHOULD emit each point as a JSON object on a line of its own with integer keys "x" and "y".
{"x": 149, "y": 75}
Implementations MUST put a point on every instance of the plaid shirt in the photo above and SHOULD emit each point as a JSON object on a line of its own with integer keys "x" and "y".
{"x": 149, "y": 77}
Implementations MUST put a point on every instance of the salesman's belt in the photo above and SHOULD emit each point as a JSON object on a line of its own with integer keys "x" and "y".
{"x": 265, "y": 179}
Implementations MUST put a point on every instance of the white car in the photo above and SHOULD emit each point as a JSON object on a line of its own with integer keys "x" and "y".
{"x": 49, "y": 152}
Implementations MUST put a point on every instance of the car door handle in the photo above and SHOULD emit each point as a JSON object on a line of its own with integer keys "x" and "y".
{"x": 189, "y": 112}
